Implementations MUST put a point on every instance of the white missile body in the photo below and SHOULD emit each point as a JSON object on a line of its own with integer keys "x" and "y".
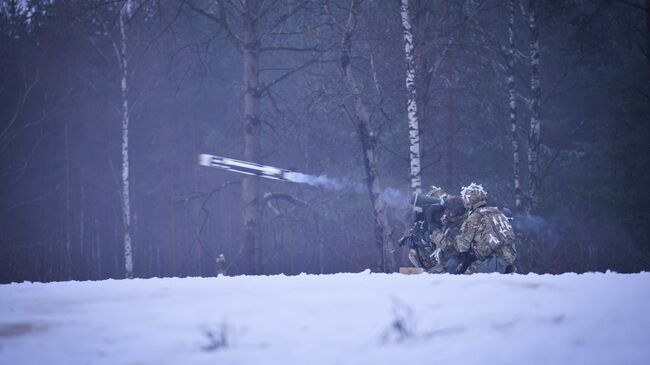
{"x": 251, "y": 168}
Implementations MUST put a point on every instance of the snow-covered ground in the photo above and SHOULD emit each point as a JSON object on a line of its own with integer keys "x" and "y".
{"x": 330, "y": 319}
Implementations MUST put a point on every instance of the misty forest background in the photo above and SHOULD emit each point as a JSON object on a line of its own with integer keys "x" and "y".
{"x": 317, "y": 86}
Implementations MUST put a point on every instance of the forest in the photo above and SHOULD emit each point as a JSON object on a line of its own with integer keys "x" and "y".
{"x": 105, "y": 106}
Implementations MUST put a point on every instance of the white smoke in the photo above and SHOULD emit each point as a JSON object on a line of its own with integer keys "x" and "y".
{"x": 322, "y": 180}
{"x": 394, "y": 198}
{"x": 397, "y": 199}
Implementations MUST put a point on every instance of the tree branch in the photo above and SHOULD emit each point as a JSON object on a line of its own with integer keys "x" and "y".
{"x": 206, "y": 216}
{"x": 267, "y": 86}
{"x": 221, "y": 20}
{"x": 282, "y": 18}
{"x": 282, "y": 196}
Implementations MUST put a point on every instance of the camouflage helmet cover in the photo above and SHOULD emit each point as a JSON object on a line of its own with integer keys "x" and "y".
{"x": 436, "y": 192}
{"x": 473, "y": 194}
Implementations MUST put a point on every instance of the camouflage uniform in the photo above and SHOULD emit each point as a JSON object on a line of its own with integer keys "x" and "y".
{"x": 449, "y": 260}
{"x": 423, "y": 257}
{"x": 486, "y": 233}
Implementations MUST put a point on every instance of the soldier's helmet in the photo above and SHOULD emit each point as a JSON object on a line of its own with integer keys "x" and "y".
{"x": 473, "y": 195}
{"x": 436, "y": 192}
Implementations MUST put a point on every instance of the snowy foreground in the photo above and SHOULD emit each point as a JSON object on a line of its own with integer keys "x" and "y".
{"x": 330, "y": 319}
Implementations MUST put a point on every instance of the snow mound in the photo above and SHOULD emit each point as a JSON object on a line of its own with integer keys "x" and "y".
{"x": 330, "y": 319}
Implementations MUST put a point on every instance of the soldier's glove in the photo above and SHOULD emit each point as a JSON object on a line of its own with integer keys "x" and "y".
{"x": 436, "y": 255}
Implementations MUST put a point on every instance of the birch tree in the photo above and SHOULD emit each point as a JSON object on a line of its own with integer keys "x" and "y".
{"x": 125, "y": 14}
{"x": 411, "y": 105}
{"x": 120, "y": 45}
{"x": 536, "y": 96}
{"x": 117, "y": 22}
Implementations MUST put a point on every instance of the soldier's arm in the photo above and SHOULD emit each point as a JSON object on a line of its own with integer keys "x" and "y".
{"x": 463, "y": 242}
{"x": 443, "y": 241}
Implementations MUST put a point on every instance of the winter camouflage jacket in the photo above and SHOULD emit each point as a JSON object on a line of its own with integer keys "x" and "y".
{"x": 444, "y": 239}
{"x": 422, "y": 257}
{"x": 487, "y": 231}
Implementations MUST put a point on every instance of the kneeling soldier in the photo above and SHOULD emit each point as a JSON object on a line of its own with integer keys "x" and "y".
{"x": 486, "y": 234}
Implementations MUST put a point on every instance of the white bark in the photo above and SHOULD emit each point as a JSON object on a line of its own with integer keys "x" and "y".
{"x": 126, "y": 201}
{"x": 411, "y": 106}
{"x": 513, "y": 104}
{"x": 535, "y": 120}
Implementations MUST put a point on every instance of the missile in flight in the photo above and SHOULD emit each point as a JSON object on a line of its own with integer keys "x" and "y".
{"x": 251, "y": 168}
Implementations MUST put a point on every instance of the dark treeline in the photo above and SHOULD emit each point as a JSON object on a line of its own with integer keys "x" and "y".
{"x": 105, "y": 106}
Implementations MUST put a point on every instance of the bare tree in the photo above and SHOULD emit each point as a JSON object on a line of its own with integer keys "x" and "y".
{"x": 368, "y": 139}
{"x": 512, "y": 98}
{"x": 536, "y": 97}
{"x": 252, "y": 248}
{"x": 259, "y": 21}
{"x": 451, "y": 128}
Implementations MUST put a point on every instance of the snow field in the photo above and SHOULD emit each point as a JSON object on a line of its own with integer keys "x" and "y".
{"x": 330, "y": 319}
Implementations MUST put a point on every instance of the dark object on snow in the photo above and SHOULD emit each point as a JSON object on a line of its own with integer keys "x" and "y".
{"x": 220, "y": 263}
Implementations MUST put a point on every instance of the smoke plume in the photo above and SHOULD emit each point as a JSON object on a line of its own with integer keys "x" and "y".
{"x": 321, "y": 181}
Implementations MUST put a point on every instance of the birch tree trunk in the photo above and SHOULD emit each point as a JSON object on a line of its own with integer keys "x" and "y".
{"x": 512, "y": 98}
{"x": 418, "y": 13}
{"x": 411, "y": 106}
{"x": 252, "y": 248}
{"x": 535, "y": 120}
{"x": 368, "y": 141}
{"x": 126, "y": 201}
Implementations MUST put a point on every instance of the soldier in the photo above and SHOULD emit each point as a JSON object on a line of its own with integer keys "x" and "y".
{"x": 423, "y": 256}
{"x": 486, "y": 234}
{"x": 448, "y": 259}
